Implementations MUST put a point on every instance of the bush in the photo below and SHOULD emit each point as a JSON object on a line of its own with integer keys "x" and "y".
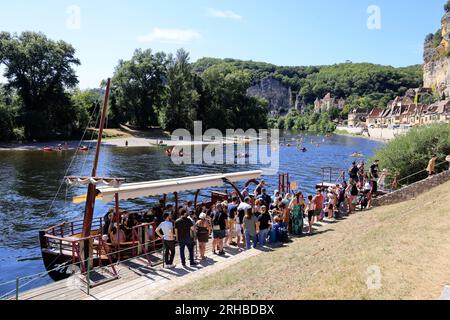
{"x": 411, "y": 152}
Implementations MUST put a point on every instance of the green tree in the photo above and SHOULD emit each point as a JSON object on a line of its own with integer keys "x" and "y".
{"x": 180, "y": 110}
{"x": 230, "y": 106}
{"x": 6, "y": 117}
{"x": 138, "y": 88}
{"x": 40, "y": 70}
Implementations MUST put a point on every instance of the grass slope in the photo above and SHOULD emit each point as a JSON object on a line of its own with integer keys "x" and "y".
{"x": 409, "y": 242}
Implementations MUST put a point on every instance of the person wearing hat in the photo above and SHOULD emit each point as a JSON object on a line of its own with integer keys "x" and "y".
{"x": 203, "y": 231}
{"x": 232, "y": 212}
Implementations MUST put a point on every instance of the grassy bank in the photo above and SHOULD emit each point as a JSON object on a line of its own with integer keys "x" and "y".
{"x": 409, "y": 242}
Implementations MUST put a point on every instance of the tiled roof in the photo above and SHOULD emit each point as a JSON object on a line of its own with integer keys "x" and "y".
{"x": 376, "y": 113}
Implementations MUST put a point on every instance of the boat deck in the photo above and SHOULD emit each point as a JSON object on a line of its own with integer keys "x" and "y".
{"x": 137, "y": 280}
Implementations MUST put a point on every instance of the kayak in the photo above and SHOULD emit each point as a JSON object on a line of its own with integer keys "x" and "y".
{"x": 357, "y": 155}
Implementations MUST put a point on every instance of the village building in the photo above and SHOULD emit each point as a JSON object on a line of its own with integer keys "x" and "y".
{"x": 401, "y": 112}
{"x": 357, "y": 117}
{"x": 328, "y": 103}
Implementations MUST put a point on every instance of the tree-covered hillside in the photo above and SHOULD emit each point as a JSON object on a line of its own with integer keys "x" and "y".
{"x": 362, "y": 84}
{"x": 41, "y": 101}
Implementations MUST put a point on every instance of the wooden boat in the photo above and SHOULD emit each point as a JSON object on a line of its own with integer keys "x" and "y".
{"x": 81, "y": 245}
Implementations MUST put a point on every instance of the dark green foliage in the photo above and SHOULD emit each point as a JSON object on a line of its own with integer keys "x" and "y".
{"x": 437, "y": 38}
{"x": 410, "y": 153}
{"x": 40, "y": 70}
{"x": 312, "y": 122}
{"x": 138, "y": 88}
{"x": 377, "y": 84}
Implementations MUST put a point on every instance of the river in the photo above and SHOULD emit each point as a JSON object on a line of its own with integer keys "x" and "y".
{"x": 30, "y": 180}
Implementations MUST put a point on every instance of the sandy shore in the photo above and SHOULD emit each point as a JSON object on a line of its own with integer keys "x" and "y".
{"x": 119, "y": 142}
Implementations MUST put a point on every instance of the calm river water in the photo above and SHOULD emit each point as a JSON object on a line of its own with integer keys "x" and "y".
{"x": 30, "y": 181}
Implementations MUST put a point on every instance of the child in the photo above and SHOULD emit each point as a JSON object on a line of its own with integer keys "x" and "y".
{"x": 311, "y": 207}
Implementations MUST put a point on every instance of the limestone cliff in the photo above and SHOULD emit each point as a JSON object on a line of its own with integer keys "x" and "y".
{"x": 278, "y": 96}
{"x": 436, "y": 68}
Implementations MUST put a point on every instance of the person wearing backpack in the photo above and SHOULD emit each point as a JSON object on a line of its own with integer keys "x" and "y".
{"x": 353, "y": 171}
{"x": 353, "y": 196}
{"x": 220, "y": 218}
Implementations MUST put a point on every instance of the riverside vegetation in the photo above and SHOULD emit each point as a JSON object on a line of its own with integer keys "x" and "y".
{"x": 41, "y": 100}
{"x": 410, "y": 153}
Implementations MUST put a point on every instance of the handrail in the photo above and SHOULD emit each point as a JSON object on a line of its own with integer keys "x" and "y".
{"x": 73, "y": 240}
{"x": 419, "y": 172}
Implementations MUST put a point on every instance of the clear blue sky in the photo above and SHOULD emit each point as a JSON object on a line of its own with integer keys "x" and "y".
{"x": 284, "y": 32}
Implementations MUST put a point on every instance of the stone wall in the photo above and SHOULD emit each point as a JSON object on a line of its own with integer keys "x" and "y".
{"x": 413, "y": 190}
{"x": 278, "y": 95}
{"x": 375, "y": 133}
{"x": 386, "y": 133}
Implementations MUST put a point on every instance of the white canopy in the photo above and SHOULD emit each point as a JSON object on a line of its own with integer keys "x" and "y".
{"x": 157, "y": 188}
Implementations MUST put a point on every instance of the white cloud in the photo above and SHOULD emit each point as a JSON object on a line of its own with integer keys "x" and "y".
{"x": 226, "y": 14}
{"x": 170, "y": 36}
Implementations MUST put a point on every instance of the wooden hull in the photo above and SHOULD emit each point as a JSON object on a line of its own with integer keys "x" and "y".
{"x": 58, "y": 266}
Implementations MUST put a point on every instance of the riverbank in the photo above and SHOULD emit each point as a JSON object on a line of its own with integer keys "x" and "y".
{"x": 391, "y": 252}
{"x": 375, "y": 134}
{"x": 354, "y": 135}
{"x": 119, "y": 138}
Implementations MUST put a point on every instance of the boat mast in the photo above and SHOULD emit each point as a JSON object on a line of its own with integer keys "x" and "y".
{"x": 91, "y": 195}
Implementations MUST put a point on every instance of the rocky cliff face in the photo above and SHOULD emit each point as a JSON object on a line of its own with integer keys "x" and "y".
{"x": 436, "y": 68}
{"x": 278, "y": 95}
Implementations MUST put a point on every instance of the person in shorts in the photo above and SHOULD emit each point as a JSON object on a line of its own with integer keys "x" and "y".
{"x": 311, "y": 210}
{"x": 318, "y": 204}
{"x": 219, "y": 229}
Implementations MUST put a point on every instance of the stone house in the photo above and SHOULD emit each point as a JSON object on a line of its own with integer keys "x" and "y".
{"x": 357, "y": 117}
{"x": 398, "y": 113}
{"x": 327, "y": 103}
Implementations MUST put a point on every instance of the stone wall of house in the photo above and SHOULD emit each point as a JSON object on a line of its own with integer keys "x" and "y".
{"x": 386, "y": 133}
{"x": 277, "y": 95}
{"x": 413, "y": 190}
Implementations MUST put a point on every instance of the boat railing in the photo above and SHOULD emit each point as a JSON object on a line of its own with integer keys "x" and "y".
{"x": 21, "y": 284}
{"x": 67, "y": 229}
{"x": 69, "y": 244}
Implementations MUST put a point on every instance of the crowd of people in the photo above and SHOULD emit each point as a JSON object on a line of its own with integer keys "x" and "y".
{"x": 253, "y": 221}
{"x": 258, "y": 219}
